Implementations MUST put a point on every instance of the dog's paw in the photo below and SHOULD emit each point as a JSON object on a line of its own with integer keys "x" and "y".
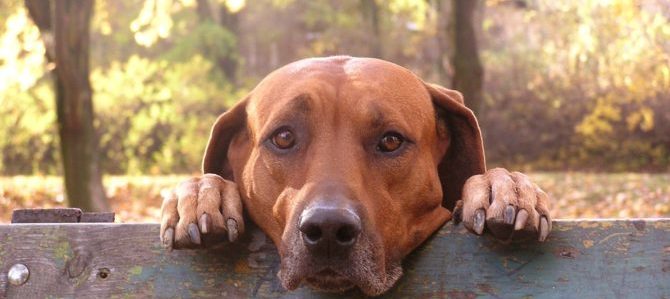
{"x": 508, "y": 205}
{"x": 201, "y": 211}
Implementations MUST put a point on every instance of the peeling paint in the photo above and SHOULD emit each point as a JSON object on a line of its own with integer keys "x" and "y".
{"x": 587, "y": 243}
{"x": 135, "y": 271}
{"x": 567, "y": 252}
{"x": 62, "y": 253}
{"x": 612, "y": 236}
{"x": 589, "y": 224}
{"x": 606, "y": 224}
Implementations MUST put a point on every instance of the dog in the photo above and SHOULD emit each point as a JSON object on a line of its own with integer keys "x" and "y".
{"x": 348, "y": 164}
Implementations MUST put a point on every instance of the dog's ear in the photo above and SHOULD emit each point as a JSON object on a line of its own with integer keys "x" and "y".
{"x": 225, "y": 128}
{"x": 465, "y": 153}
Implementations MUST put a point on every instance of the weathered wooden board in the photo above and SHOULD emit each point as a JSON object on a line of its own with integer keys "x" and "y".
{"x": 581, "y": 259}
{"x": 59, "y": 215}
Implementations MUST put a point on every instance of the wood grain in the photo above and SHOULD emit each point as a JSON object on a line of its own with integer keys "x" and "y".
{"x": 581, "y": 259}
{"x": 59, "y": 215}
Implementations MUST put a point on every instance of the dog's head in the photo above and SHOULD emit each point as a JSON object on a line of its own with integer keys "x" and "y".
{"x": 348, "y": 164}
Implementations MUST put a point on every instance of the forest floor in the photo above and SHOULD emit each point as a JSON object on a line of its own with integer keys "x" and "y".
{"x": 575, "y": 194}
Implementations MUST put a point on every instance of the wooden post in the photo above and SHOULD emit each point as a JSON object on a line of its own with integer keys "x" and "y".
{"x": 63, "y": 215}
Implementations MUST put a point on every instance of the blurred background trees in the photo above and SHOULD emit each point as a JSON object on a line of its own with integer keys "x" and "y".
{"x": 566, "y": 85}
{"x": 468, "y": 70}
{"x": 64, "y": 27}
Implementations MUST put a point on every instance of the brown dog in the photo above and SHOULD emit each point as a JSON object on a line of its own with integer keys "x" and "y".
{"x": 348, "y": 164}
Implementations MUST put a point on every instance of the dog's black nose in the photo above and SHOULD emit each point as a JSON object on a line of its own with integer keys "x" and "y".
{"x": 329, "y": 230}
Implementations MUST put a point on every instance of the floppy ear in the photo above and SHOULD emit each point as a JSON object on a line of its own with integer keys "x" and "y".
{"x": 225, "y": 128}
{"x": 465, "y": 155}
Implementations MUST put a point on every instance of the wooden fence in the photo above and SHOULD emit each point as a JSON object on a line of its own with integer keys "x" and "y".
{"x": 581, "y": 259}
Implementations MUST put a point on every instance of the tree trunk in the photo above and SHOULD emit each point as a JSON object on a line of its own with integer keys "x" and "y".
{"x": 468, "y": 70}
{"x": 204, "y": 10}
{"x": 229, "y": 63}
{"x": 442, "y": 29}
{"x": 65, "y": 30}
{"x": 370, "y": 10}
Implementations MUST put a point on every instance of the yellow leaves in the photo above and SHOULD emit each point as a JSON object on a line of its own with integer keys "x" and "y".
{"x": 133, "y": 198}
{"x": 599, "y": 122}
{"x": 21, "y": 52}
{"x": 662, "y": 209}
{"x": 642, "y": 119}
{"x": 154, "y": 22}
{"x": 282, "y": 4}
{"x": 234, "y": 6}
{"x": 100, "y": 21}
{"x": 665, "y": 30}
{"x": 416, "y": 9}
{"x": 598, "y": 195}
{"x": 155, "y": 19}
{"x": 587, "y": 243}
{"x": 148, "y": 125}
{"x": 665, "y": 73}
{"x": 487, "y": 24}
{"x": 321, "y": 46}
{"x": 585, "y": 39}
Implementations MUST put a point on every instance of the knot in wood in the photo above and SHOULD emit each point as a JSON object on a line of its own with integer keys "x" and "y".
{"x": 77, "y": 264}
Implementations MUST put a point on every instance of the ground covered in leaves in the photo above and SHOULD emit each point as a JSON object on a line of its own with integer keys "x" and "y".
{"x": 575, "y": 195}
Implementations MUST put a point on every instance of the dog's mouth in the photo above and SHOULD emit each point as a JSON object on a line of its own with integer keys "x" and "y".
{"x": 365, "y": 267}
{"x": 370, "y": 281}
{"x": 330, "y": 281}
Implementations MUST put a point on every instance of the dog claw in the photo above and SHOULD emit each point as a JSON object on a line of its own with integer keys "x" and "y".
{"x": 231, "y": 225}
{"x": 168, "y": 239}
{"x": 521, "y": 219}
{"x": 458, "y": 213}
{"x": 478, "y": 224}
{"x": 544, "y": 228}
{"x": 508, "y": 217}
{"x": 194, "y": 233}
{"x": 204, "y": 219}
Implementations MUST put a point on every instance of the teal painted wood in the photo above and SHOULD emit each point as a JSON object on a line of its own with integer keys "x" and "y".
{"x": 581, "y": 259}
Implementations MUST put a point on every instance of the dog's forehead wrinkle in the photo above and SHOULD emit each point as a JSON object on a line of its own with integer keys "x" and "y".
{"x": 302, "y": 103}
{"x": 270, "y": 113}
{"x": 303, "y": 95}
{"x": 377, "y": 119}
{"x": 299, "y": 104}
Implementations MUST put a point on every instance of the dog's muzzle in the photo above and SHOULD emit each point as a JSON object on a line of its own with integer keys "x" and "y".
{"x": 331, "y": 249}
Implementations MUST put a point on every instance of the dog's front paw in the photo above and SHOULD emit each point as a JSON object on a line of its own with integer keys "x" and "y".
{"x": 201, "y": 211}
{"x": 508, "y": 205}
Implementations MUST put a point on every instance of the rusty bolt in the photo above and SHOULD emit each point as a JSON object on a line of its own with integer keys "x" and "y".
{"x": 18, "y": 274}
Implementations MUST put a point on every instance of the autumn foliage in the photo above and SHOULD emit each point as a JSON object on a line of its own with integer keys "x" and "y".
{"x": 568, "y": 85}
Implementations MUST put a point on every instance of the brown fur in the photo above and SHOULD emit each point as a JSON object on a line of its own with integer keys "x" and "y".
{"x": 339, "y": 107}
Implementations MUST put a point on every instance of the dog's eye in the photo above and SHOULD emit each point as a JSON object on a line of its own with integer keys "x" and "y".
{"x": 390, "y": 142}
{"x": 283, "y": 139}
